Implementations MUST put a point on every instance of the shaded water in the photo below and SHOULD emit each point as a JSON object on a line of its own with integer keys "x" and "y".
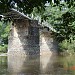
{"x": 35, "y": 65}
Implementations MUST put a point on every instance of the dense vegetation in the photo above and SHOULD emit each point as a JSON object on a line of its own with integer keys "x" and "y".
{"x": 4, "y": 32}
{"x": 26, "y": 6}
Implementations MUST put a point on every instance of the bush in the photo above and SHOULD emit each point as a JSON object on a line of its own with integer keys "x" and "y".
{"x": 63, "y": 45}
{"x": 3, "y": 48}
{"x": 4, "y": 33}
{"x": 67, "y": 46}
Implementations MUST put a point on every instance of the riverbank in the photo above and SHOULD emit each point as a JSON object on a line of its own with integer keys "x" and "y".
{"x": 47, "y": 53}
{"x": 3, "y": 54}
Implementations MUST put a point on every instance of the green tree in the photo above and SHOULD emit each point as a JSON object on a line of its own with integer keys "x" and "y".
{"x": 4, "y": 32}
{"x": 27, "y": 6}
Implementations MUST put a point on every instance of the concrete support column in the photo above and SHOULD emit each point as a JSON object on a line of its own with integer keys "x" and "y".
{"x": 24, "y": 37}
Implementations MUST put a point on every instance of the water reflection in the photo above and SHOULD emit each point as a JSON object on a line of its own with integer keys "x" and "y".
{"x": 21, "y": 65}
{"x": 35, "y": 65}
{"x": 3, "y": 65}
{"x": 47, "y": 62}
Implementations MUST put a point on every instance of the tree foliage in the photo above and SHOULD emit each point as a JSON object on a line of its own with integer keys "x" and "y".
{"x": 4, "y": 32}
{"x": 21, "y": 5}
{"x": 26, "y": 6}
{"x": 62, "y": 19}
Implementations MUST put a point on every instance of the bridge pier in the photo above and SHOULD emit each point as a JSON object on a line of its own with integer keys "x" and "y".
{"x": 24, "y": 37}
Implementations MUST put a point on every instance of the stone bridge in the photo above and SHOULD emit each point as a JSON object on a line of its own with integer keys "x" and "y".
{"x": 28, "y": 37}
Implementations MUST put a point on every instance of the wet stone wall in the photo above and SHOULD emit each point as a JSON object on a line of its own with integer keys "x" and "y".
{"x": 24, "y": 37}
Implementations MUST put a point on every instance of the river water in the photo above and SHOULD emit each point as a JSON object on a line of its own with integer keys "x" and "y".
{"x": 37, "y": 65}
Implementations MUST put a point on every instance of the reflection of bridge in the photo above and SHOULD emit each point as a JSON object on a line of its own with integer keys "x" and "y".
{"x": 27, "y": 36}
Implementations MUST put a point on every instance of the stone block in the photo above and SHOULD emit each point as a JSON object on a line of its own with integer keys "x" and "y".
{"x": 33, "y": 23}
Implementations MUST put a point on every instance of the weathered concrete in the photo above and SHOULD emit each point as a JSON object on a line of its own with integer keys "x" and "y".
{"x": 48, "y": 44}
{"x": 24, "y": 37}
